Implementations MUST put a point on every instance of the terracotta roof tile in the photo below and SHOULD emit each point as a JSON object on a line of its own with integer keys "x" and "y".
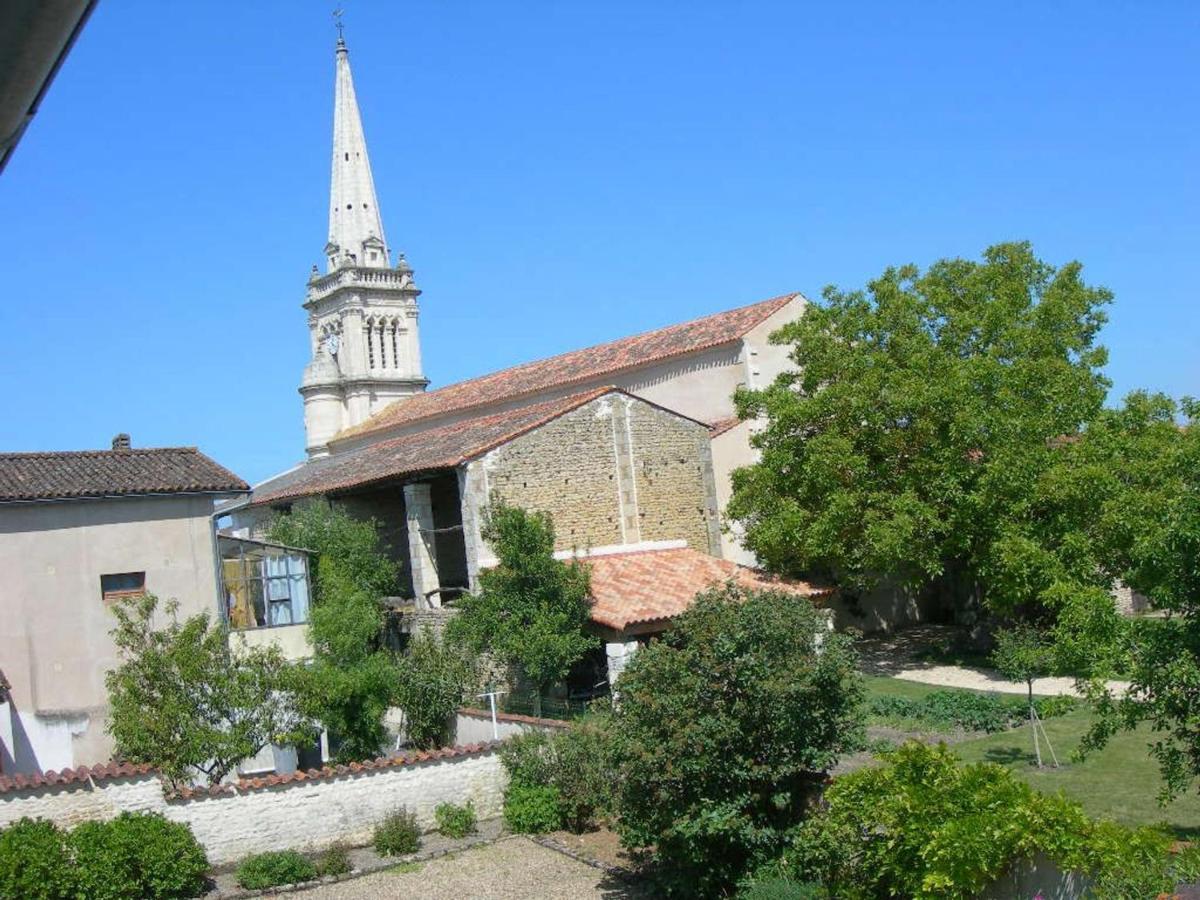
{"x": 576, "y": 367}
{"x": 652, "y": 585}
{"x": 439, "y": 447}
{"x": 81, "y": 775}
{"x": 112, "y": 473}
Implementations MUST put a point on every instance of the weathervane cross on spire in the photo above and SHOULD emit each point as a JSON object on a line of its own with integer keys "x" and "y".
{"x": 337, "y": 15}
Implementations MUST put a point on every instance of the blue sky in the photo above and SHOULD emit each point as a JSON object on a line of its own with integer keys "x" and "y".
{"x": 561, "y": 174}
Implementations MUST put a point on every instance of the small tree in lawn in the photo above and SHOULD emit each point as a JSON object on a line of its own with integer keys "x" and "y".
{"x": 432, "y": 678}
{"x": 182, "y": 701}
{"x": 531, "y": 609}
{"x": 1024, "y": 653}
{"x": 722, "y": 729}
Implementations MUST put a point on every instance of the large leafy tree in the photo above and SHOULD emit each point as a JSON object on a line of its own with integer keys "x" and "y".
{"x": 1151, "y": 526}
{"x": 532, "y": 609}
{"x": 183, "y": 701}
{"x": 720, "y": 729}
{"x": 914, "y": 437}
{"x": 352, "y": 679}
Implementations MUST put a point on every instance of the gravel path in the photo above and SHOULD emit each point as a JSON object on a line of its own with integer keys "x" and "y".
{"x": 512, "y": 868}
{"x": 988, "y": 680}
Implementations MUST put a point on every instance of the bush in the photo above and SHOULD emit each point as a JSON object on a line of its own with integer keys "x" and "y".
{"x": 334, "y": 860}
{"x": 577, "y": 762}
{"x": 945, "y": 710}
{"x": 138, "y": 855}
{"x": 264, "y": 870}
{"x": 529, "y": 809}
{"x": 398, "y": 834}
{"x": 782, "y": 889}
{"x": 722, "y": 729}
{"x": 455, "y": 821}
{"x": 430, "y": 684}
{"x": 35, "y": 862}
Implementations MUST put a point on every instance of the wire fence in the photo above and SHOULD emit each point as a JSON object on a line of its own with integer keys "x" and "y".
{"x": 524, "y": 703}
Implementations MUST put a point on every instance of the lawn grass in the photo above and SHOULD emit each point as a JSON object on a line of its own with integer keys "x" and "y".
{"x": 1119, "y": 782}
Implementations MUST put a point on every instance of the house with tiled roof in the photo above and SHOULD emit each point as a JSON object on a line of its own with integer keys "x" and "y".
{"x": 80, "y": 530}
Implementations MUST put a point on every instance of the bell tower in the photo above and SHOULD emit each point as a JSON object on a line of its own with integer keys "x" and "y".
{"x": 362, "y": 312}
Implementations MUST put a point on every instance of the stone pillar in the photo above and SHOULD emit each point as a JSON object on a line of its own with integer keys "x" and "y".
{"x": 422, "y": 551}
{"x": 619, "y": 654}
{"x": 472, "y": 497}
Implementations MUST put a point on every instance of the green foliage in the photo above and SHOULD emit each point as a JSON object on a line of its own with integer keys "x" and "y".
{"x": 925, "y": 826}
{"x": 531, "y": 610}
{"x": 398, "y": 834}
{"x": 138, "y": 856}
{"x": 349, "y": 544}
{"x": 532, "y": 809}
{"x": 782, "y": 889}
{"x": 351, "y": 680}
{"x": 333, "y": 860}
{"x": 1154, "y": 525}
{"x": 577, "y": 762}
{"x": 182, "y": 701}
{"x": 720, "y": 728}
{"x": 431, "y": 680}
{"x": 1023, "y": 653}
{"x": 914, "y": 437}
{"x": 455, "y": 821}
{"x": 950, "y": 709}
{"x": 264, "y": 870}
{"x": 35, "y": 862}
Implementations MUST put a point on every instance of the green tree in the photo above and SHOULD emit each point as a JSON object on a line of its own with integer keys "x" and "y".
{"x": 913, "y": 437}
{"x": 352, "y": 679}
{"x": 531, "y": 609}
{"x": 1151, "y": 526}
{"x": 721, "y": 729}
{"x": 182, "y": 701}
{"x": 433, "y": 676}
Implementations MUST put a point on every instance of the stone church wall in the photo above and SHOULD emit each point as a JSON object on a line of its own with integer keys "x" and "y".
{"x": 615, "y": 471}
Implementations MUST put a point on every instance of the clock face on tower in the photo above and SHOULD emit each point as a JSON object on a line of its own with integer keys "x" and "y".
{"x": 331, "y": 344}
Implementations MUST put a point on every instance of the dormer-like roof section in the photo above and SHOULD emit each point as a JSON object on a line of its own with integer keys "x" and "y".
{"x": 576, "y": 367}
{"x": 91, "y": 474}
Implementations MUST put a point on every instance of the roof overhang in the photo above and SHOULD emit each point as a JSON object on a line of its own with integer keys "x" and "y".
{"x": 35, "y": 38}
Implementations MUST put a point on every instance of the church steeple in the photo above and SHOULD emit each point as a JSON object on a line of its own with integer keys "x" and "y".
{"x": 362, "y": 315}
{"x": 355, "y": 225}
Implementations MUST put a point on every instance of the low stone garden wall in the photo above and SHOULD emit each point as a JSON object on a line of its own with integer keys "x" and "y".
{"x": 301, "y": 810}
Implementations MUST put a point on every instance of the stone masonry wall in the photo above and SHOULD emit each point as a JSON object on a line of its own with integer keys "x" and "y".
{"x": 676, "y": 495}
{"x": 615, "y": 471}
{"x": 565, "y": 468}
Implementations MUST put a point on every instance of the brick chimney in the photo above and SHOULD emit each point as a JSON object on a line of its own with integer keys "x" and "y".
{"x": 121, "y": 442}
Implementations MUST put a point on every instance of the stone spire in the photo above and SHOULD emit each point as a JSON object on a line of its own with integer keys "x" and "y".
{"x": 355, "y": 225}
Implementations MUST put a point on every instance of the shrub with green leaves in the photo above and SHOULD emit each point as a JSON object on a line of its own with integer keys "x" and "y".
{"x": 532, "y": 809}
{"x": 455, "y": 821}
{"x": 334, "y": 860}
{"x": 276, "y": 867}
{"x": 925, "y": 826}
{"x": 577, "y": 761}
{"x": 782, "y": 889}
{"x": 430, "y": 684}
{"x": 722, "y": 729}
{"x": 136, "y": 856}
{"x": 398, "y": 834}
{"x": 966, "y": 710}
{"x": 35, "y": 861}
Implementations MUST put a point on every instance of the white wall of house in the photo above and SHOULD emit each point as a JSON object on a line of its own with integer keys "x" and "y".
{"x": 54, "y": 624}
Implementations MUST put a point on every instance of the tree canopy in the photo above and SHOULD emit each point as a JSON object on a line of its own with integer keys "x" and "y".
{"x": 913, "y": 437}
{"x": 531, "y": 609}
{"x": 181, "y": 700}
